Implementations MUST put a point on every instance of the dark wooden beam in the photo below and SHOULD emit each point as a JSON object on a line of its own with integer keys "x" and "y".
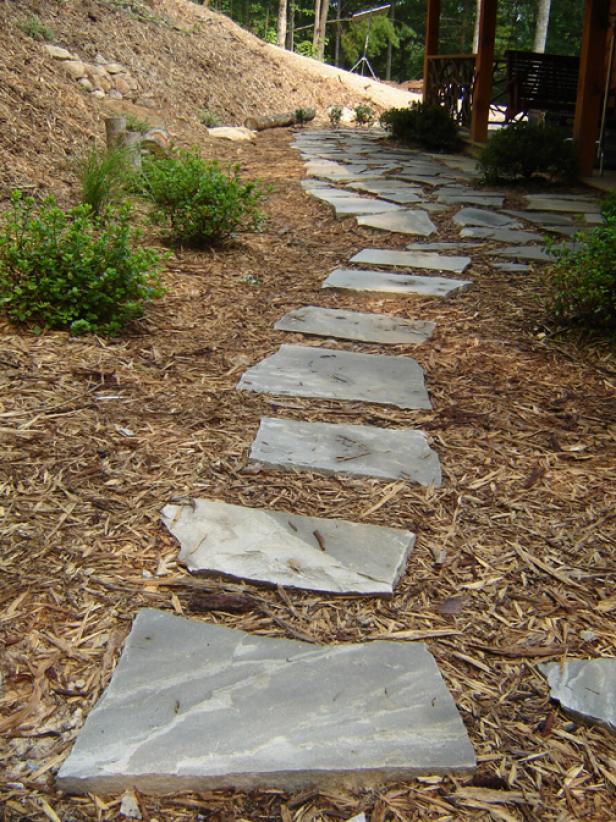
{"x": 484, "y": 62}
{"x": 433, "y": 21}
{"x": 591, "y": 83}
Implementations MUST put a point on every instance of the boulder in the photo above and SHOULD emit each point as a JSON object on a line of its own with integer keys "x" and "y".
{"x": 114, "y": 94}
{"x": 121, "y": 85}
{"x": 237, "y": 134}
{"x": 58, "y": 53}
{"x": 98, "y": 93}
{"x": 115, "y": 68}
{"x": 75, "y": 68}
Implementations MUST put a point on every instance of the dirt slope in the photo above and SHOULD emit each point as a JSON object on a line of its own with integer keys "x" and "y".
{"x": 184, "y": 57}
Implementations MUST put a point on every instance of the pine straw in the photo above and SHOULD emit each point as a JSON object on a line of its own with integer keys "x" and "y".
{"x": 513, "y": 552}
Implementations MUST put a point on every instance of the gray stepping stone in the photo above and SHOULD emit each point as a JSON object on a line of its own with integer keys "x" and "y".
{"x": 329, "y": 170}
{"x": 441, "y": 246}
{"x": 424, "y": 180}
{"x": 543, "y": 219}
{"x": 455, "y": 196}
{"x": 415, "y": 259}
{"x": 501, "y": 235}
{"x": 358, "y": 206}
{"x": 585, "y": 688}
{"x": 487, "y": 219}
{"x": 528, "y": 252}
{"x": 402, "y": 193}
{"x": 573, "y": 203}
{"x": 361, "y": 450}
{"x": 195, "y": 707}
{"x": 513, "y": 268}
{"x": 301, "y": 371}
{"x": 387, "y": 283}
{"x": 277, "y": 548}
{"x": 404, "y": 221}
{"x": 354, "y": 325}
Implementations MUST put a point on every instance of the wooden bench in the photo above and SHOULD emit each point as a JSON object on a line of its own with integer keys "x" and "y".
{"x": 546, "y": 82}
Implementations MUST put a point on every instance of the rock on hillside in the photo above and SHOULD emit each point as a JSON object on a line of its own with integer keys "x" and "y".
{"x": 180, "y": 59}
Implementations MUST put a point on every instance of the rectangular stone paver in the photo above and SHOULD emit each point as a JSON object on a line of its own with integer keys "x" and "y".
{"x": 487, "y": 219}
{"x": 405, "y": 221}
{"x": 354, "y": 325}
{"x": 388, "y": 283}
{"x": 501, "y": 235}
{"x": 302, "y": 371}
{"x": 456, "y": 196}
{"x": 569, "y": 203}
{"x": 278, "y": 548}
{"x": 193, "y": 707}
{"x": 363, "y": 450}
{"x": 413, "y": 259}
{"x": 525, "y": 252}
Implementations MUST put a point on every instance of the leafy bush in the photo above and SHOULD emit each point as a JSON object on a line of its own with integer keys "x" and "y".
{"x": 134, "y": 123}
{"x": 521, "y": 150}
{"x": 608, "y": 206}
{"x": 208, "y": 118}
{"x": 33, "y": 27}
{"x": 583, "y": 280}
{"x": 363, "y": 115}
{"x": 302, "y": 116}
{"x": 195, "y": 202}
{"x": 428, "y": 126}
{"x": 104, "y": 175}
{"x": 69, "y": 269}
{"x": 335, "y": 115}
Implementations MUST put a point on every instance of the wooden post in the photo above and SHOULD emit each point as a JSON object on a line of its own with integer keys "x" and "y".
{"x": 591, "y": 83}
{"x": 484, "y": 62}
{"x": 433, "y": 19}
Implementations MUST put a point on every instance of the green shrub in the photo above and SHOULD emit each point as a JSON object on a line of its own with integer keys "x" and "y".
{"x": 428, "y": 126}
{"x": 134, "y": 123}
{"x": 303, "y": 116}
{"x": 69, "y": 269}
{"x": 608, "y": 205}
{"x": 583, "y": 280}
{"x": 363, "y": 115}
{"x": 104, "y": 175}
{"x": 520, "y": 150}
{"x": 335, "y": 115}
{"x": 195, "y": 202}
{"x": 33, "y": 27}
{"x": 208, "y": 118}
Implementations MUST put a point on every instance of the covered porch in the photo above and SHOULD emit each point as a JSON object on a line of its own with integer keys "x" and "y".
{"x": 469, "y": 84}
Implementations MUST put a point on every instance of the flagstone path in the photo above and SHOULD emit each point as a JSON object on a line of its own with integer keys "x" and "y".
{"x": 196, "y": 706}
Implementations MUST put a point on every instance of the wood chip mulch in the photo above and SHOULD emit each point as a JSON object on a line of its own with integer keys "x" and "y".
{"x": 515, "y": 553}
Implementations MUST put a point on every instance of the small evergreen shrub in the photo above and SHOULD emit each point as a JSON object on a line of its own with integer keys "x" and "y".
{"x": 71, "y": 270}
{"x": 32, "y": 26}
{"x": 608, "y": 206}
{"x": 195, "y": 202}
{"x": 583, "y": 280}
{"x": 363, "y": 115}
{"x": 302, "y": 116}
{"x": 428, "y": 126}
{"x": 208, "y": 118}
{"x": 104, "y": 175}
{"x": 335, "y": 115}
{"x": 521, "y": 150}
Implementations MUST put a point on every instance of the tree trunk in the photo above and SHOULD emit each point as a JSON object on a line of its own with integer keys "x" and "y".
{"x": 541, "y": 26}
{"x": 320, "y": 50}
{"x": 317, "y": 25}
{"x": 392, "y": 17}
{"x": 476, "y": 32}
{"x": 338, "y": 32}
{"x": 282, "y": 23}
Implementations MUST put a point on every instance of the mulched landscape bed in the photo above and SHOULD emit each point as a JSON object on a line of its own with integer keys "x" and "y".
{"x": 515, "y": 552}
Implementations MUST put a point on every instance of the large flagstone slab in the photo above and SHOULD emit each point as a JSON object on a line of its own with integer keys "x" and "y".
{"x": 444, "y": 246}
{"x": 501, "y": 235}
{"x": 585, "y": 688}
{"x": 355, "y": 325}
{"x": 458, "y": 196}
{"x": 543, "y": 219}
{"x": 525, "y": 252}
{"x": 358, "y": 206}
{"x": 386, "y": 189}
{"x": 388, "y": 283}
{"x": 405, "y": 221}
{"x": 328, "y": 373}
{"x": 193, "y": 706}
{"x": 278, "y": 548}
{"x": 330, "y": 170}
{"x": 413, "y": 259}
{"x": 362, "y": 450}
{"x": 487, "y": 219}
{"x": 572, "y": 203}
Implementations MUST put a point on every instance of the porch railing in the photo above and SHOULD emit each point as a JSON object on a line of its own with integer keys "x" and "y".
{"x": 451, "y": 78}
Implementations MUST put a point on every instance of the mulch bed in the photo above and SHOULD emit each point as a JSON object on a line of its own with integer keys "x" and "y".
{"x": 514, "y": 553}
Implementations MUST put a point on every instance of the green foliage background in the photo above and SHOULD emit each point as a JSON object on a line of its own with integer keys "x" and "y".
{"x": 516, "y": 25}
